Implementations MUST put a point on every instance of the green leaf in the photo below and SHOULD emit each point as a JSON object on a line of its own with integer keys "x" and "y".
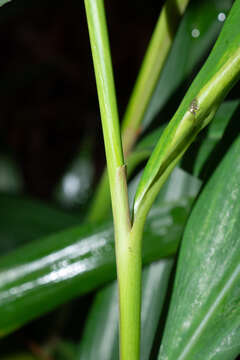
{"x": 143, "y": 150}
{"x": 216, "y": 78}
{"x": 214, "y": 134}
{"x": 153, "y": 62}
{"x": 101, "y": 330}
{"x": 203, "y": 17}
{"x": 103, "y": 335}
{"x": 204, "y": 316}
{"x": 39, "y": 276}
{"x": 23, "y": 220}
{"x": 3, "y": 2}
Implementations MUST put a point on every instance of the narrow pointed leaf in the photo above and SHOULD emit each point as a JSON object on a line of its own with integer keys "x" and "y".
{"x": 204, "y": 316}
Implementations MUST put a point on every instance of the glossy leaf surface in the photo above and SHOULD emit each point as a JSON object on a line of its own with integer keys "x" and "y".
{"x": 204, "y": 317}
{"x": 48, "y": 272}
{"x": 216, "y": 78}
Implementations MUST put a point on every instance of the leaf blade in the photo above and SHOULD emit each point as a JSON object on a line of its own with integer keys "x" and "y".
{"x": 204, "y": 316}
{"x": 38, "y": 277}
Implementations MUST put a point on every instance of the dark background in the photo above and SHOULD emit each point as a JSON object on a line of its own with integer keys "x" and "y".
{"x": 48, "y": 100}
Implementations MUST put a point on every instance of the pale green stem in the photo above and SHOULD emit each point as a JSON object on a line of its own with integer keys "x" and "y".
{"x": 129, "y": 262}
{"x": 128, "y": 252}
{"x": 152, "y": 65}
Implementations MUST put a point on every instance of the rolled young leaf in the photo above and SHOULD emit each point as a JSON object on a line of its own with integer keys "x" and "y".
{"x": 214, "y": 134}
{"x": 214, "y": 81}
{"x": 204, "y": 316}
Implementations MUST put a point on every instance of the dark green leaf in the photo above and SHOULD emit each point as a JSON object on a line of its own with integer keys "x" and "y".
{"x": 36, "y": 278}
{"x": 214, "y": 134}
{"x": 204, "y": 316}
{"x": 22, "y": 220}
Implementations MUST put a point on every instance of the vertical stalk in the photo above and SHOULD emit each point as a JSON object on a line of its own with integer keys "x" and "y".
{"x": 149, "y": 73}
{"x": 128, "y": 249}
{"x": 152, "y": 65}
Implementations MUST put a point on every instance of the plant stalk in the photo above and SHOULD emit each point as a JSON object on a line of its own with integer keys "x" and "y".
{"x": 128, "y": 249}
{"x": 150, "y": 70}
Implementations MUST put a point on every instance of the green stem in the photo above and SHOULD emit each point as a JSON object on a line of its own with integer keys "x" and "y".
{"x": 130, "y": 269}
{"x": 152, "y": 65}
{"x": 128, "y": 252}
